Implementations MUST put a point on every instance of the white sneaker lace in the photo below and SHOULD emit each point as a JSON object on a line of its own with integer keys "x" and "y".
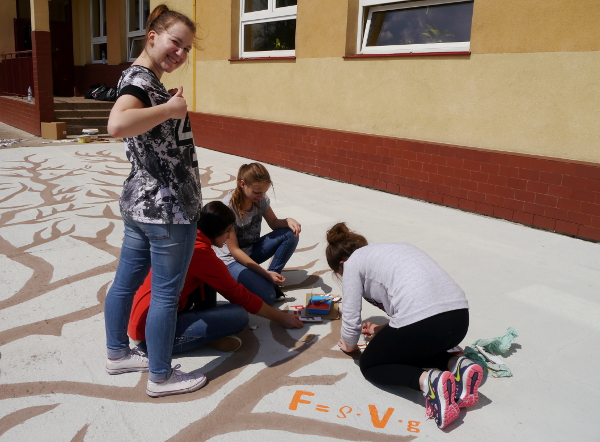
{"x": 137, "y": 354}
{"x": 181, "y": 376}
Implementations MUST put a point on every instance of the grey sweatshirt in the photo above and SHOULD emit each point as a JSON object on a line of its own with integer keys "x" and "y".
{"x": 400, "y": 279}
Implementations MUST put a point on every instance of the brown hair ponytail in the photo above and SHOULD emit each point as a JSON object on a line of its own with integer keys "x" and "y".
{"x": 341, "y": 243}
{"x": 162, "y": 18}
{"x": 251, "y": 173}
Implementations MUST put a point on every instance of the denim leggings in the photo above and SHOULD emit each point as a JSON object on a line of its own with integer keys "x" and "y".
{"x": 203, "y": 321}
{"x": 398, "y": 356}
{"x": 168, "y": 249}
{"x": 280, "y": 244}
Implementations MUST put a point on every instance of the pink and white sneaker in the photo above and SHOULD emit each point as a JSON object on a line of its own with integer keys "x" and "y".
{"x": 467, "y": 376}
{"x": 439, "y": 399}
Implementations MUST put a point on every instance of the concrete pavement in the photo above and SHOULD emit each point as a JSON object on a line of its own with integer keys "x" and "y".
{"x": 60, "y": 235}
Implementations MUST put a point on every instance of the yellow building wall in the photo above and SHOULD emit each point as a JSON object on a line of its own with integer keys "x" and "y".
{"x": 183, "y": 76}
{"x": 81, "y": 32}
{"x": 40, "y": 15}
{"x": 321, "y": 32}
{"x": 214, "y": 19}
{"x": 7, "y": 37}
{"x": 535, "y": 26}
{"x": 116, "y": 31}
{"x": 523, "y": 89}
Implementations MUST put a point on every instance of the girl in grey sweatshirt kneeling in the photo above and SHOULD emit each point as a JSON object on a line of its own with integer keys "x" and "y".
{"x": 429, "y": 315}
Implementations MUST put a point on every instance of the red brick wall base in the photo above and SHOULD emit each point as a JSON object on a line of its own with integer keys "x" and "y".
{"x": 549, "y": 193}
{"x": 22, "y": 115}
{"x": 28, "y": 116}
{"x": 42, "y": 77}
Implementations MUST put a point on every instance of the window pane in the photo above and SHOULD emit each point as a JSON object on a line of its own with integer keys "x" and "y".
{"x": 98, "y": 51}
{"x": 256, "y": 5}
{"x": 430, "y": 24}
{"x": 136, "y": 45}
{"x": 134, "y": 15}
{"x": 284, "y": 3}
{"x": 270, "y": 36}
{"x": 95, "y": 18}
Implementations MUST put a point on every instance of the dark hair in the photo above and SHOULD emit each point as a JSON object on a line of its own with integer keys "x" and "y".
{"x": 215, "y": 218}
{"x": 341, "y": 243}
{"x": 250, "y": 173}
{"x": 162, "y": 18}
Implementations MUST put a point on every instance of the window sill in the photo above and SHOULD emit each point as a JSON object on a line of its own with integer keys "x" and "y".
{"x": 407, "y": 54}
{"x": 262, "y": 58}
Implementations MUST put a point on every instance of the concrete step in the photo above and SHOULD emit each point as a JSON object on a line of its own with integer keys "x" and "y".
{"x": 79, "y": 113}
{"x": 85, "y": 104}
{"x": 91, "y": 122}
{"x": 82, "y": 113}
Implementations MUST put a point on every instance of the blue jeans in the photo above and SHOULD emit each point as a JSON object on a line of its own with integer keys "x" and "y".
{"x": 168, "y": 249}
{"x": 197, "y": 328}
{"x": 206, "y": 322}
{"x": 280, "y": 244}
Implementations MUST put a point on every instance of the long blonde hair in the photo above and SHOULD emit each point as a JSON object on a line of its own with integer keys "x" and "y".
{"x": 251, "y": 174}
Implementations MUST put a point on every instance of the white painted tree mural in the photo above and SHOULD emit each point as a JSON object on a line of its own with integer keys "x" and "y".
{"x": 60, "y": 234}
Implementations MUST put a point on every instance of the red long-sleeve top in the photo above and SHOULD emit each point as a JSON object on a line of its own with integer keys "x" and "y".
{"x": 205, "y": 267}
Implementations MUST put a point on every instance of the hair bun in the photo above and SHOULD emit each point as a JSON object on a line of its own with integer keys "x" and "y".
{"x": 342, "y": 242}
{"x": 338, "y": 233}
{"x": 156, "y": 12}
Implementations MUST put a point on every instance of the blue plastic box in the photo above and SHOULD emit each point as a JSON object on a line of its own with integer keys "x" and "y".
{"x": 321, "y": 308}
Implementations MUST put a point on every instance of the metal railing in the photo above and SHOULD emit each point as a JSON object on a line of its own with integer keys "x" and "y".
{"x": 16, "y": 73}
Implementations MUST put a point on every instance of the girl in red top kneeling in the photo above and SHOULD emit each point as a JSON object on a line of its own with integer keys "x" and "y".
{"x": 200, "y": 321}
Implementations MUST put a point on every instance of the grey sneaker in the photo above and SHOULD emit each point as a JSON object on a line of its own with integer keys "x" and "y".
{"x": 467, "y": 376}
{"x": 136, "y": 360}
{"x": 178, "y": 383}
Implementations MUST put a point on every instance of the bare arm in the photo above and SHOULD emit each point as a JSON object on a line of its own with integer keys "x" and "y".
{"x": 287, "y": 320}
{"x": 245, "y": 260}
{"x": 129, "y": 117}
{"x": 276, "y": 223}
{"x": 369, "y": 329}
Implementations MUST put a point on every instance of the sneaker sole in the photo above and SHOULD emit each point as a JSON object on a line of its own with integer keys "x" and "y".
{"x": 451, "y": 411}
{"x": 126, "y": 370}
{"x": 198, "y": 386}
{"x": 226, "y": 346}
{"x": 474, "y": 375}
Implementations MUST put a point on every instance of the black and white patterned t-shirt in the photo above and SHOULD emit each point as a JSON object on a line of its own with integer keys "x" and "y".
{"x": 163, "y": 186}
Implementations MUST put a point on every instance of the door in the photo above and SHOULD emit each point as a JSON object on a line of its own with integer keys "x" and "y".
{"x": 62, "y": 58}
{"x": 22, "y": 29}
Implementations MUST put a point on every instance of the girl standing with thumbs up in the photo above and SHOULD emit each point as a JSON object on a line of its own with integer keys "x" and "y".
{"x": 160, "y": 204}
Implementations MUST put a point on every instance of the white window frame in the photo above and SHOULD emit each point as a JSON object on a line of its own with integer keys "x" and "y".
{"x": 271, "y": 14}
{"x": 368, "y": 7}
{"x": 102, "y": 38}
{"x": 141, "y": 34}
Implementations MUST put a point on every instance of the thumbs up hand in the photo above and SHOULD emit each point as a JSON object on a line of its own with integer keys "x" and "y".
{"x": 177, "y": 105}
